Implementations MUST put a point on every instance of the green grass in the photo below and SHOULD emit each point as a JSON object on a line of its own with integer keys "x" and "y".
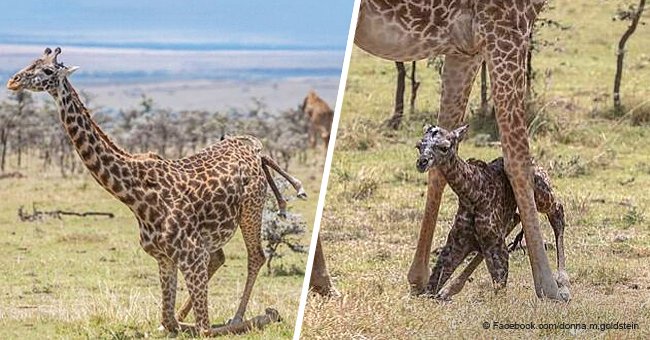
{"x": 89, "y": 277}
{"x": 600, "y": 169}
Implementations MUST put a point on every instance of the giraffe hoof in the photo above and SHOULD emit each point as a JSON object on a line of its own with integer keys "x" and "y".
{"x": 302, "y": 194}
{"x": 282, "y": 213}
{"x": 166, "y": 332}
{"x": 563, "y": 284}
{"x": 564, "y": 293}
{"x": 442, "y": 298}
{"x": 235, "y": 321}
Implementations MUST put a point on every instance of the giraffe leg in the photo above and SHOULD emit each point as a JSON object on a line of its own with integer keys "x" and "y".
{"x": 493, "y": 249}
{"x": 295, "y": 183}
{"x": 312, "y": 135}
{"x": 451, "y": 256}
{"x": 320, "y": 281}
{"x": 496, "y": 260}
{"x": 520, "y": 235}
{"x": 460, "y": 243}
{"x": 282, "y": 204}
{"x": 457, "y": 79}
{"x": 457, "y": 284}
{"x": 325, "y": 135}
{"x": 251, "y": 227}
{"x": 168, "y": 275}
{"x": 217, "y": 259}
{"x": 194, "y": 266}
{"x": 556, "y": 218}
{"x": 507, "y": 73}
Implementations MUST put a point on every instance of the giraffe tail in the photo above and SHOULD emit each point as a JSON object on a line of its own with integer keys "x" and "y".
{"x": 282, "y": 203}
{"x": 268, "y": 162}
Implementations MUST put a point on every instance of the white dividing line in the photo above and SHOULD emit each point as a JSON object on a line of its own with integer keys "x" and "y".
{"x": 326, "y": 170}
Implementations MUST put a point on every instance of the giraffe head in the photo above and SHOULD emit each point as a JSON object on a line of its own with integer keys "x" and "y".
{"x": 309, "y": 99}
{"x": 43, "y": 74}
{"x": 438, "y": 146}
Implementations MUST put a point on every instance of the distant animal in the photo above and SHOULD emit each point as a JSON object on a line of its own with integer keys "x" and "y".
{"x": 187, "y": 209}
{"x": 487, "y": 212}
{"x": 320, "y": 117}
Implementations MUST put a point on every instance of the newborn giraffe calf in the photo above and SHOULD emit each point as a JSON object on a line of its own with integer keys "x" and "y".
{"x": 487, "y": 213}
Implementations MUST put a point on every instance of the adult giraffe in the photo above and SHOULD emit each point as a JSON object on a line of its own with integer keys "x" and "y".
{"x": 467, "y": 32}
{"x": 187, "y": 209}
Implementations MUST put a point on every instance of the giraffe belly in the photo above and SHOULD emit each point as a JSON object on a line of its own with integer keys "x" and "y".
{"x": 394, "y": 44}
{"x": 215, "y": 236}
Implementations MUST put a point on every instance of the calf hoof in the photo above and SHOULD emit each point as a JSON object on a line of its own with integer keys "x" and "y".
{"x": 564, "y": 293}
{"x": 563, "y": 286}
{"x": 302, "y": 194}
{"x": 236, "y": 320}
{"x": 442, "y": 297}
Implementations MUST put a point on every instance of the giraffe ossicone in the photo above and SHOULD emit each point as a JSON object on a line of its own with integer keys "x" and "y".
{"x": 187, "y": 209}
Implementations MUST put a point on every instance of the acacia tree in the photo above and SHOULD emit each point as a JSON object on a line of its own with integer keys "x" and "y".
{"x": 395, "y": 120}
{"x": 398, "y": 111}
{"x": 11, "y": 114}
{"x": 632, "y": 14}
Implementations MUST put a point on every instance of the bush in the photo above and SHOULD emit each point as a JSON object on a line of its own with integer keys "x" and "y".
{"x": 278, "y": 231}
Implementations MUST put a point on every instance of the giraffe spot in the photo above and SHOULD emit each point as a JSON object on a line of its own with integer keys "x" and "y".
{"x": 105, "y": 177}
{"x": 106, "y": 159}
{"x": 127, "y": 199}
{"x": 95, "y": 166}
{"x": 141, "y": 210}
{"x": 117, "y": 187}
{"x": 115, "y": 170}
{"x": 154, "y": 214}
{"x": 151, "y": 198}
{"x": 80, "y": 141}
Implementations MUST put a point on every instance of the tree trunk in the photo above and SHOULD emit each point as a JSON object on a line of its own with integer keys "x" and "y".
{"x": 395, "y": 121}
{"x": 415, "y": 84}
{"x": 3, "y": 140}
{"x": 530, "y": 75}
{"x": 620, "y": 54}
{"x": 62, "y": 157}
{"x": 20, "y": 147}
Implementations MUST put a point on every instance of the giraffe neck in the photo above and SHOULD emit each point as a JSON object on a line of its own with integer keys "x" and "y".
{"x": 107, "y": 162}
{"x": 463, "y": 178}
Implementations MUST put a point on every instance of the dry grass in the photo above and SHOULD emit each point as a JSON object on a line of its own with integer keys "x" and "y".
{"x": 89, "y": 278}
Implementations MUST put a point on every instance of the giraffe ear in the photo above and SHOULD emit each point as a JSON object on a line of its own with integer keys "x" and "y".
{"x": 461, "y": 132}
{"x": 426, "y": 128}
{"x": 69, "y": 70}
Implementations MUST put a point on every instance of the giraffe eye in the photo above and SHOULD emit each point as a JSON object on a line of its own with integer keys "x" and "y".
{"x": 443, "y": 148}
{"x": 48, "y": 71}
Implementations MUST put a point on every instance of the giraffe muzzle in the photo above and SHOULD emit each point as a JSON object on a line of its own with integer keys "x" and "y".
{"x": 422, "y": 164}
{"x": 13, "y": 85}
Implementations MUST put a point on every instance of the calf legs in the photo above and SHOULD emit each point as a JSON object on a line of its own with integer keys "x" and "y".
{"x": 555, "y": 213}
{"x": 460, "y": 243}
{"x": 458, "y": 282}
{"x": 217, "y": 259}
{"x": 493, "y": 248}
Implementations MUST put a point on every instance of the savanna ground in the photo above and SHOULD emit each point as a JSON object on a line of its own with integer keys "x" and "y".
{"x": 600, "y": 168}
{"x": 89, "y": 277}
